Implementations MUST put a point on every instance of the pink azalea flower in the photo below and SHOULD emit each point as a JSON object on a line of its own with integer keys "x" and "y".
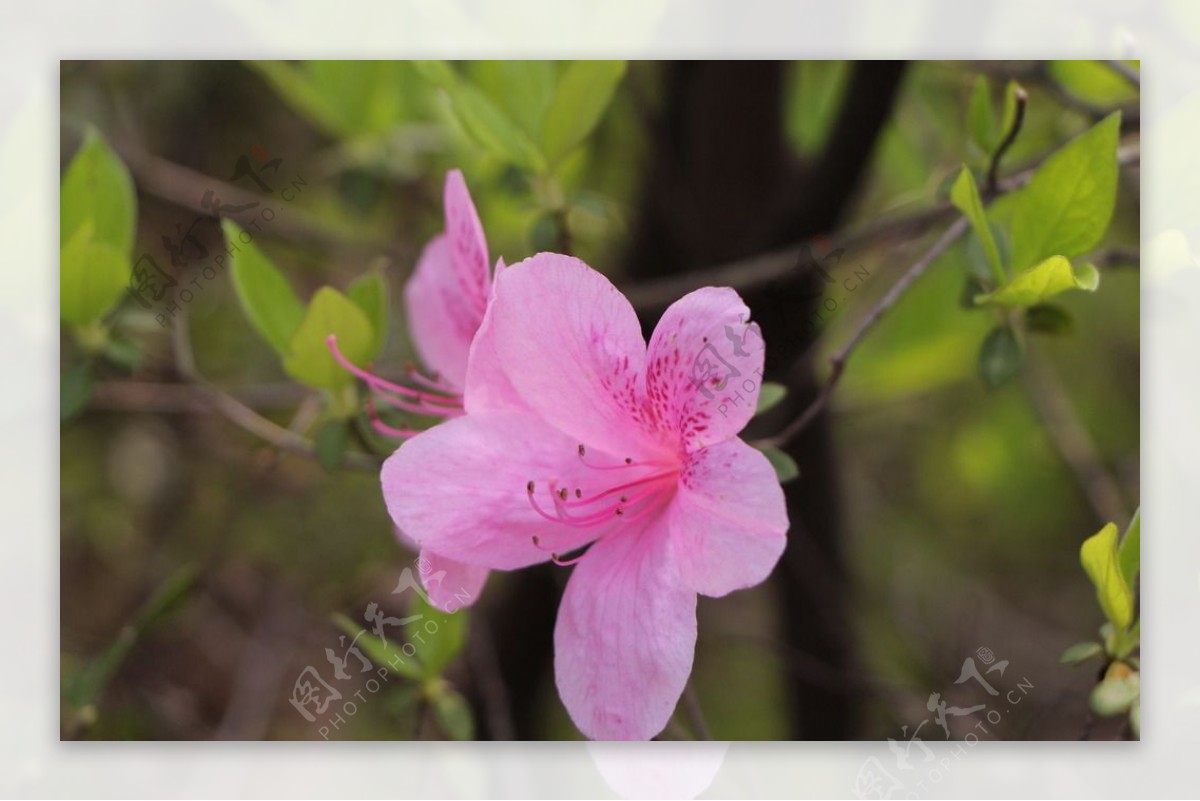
{"x": 445, "y": 301}
{"x": 578, "y": 434}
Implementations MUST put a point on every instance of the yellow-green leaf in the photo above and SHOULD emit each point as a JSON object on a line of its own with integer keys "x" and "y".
{"x": 309, "y": 359}
{"x": 965, "y": 197}
{"x": 92, "y": 277}
{"x": 369, "y": 292}
{"x": 1099, "y": 558}
{"x": 266, "y": 297}
{"x": 583, "y": 93}
{"x": 1043, "y": 281}
{"x": 97, "y": 187}
{"x": 1129, "y": 553}
{"x": 1066, "y": 208}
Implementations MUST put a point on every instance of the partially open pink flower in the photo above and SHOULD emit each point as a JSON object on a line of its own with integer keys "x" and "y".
{"x": 445, "y": 301}
{"x": 578, "y": 434}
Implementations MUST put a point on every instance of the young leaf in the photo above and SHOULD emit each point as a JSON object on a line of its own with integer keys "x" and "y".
{"x": 1129, "y": 553}
{"x": 381, "y": 652}
{"x": 454, "y": 715}
{"x": 309, "y": 359}
{"x": 1066, "y": 208}
{"x": 965, "y": 197}
{"x": 331, "y": 443}
{"x": 75, "y": 387}
{"x": 438, "y": 637}
{"x": 785, "y": 466}
{"x": 1098, "y": 555}
{"x": 981, "y": 117}
{"x": 266, "y": 297}
{"x": 1081, "y": 652}
{"x": 1000, "y": 356}
{"x": 769, "y": 396}
{"x": 583, "y": 93}
{"x": 1042, "y": 281}
{"x": 97, "y": 187}
{"x": 486, "y": 123}
{"x": 1046, "y": 318}
{"x": 1115, "y": 695}
{"x": 369, "y": 292}
{"x": 92, "y": 277}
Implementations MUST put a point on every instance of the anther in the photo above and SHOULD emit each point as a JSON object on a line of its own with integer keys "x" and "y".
{"x": 562, "y": 493}
{"x": 582, "y": 450}
{"x": 529, "y": 487}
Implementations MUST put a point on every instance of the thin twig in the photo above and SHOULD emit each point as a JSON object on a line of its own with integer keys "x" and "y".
{"x": 1072, "y": 441}
{"x": 760, "y": 270}
{"x": 691, "y": 705}
{"x": 242, "y": 415}
{"x": 993, "y": 177}
{"x": 839, "y": 359}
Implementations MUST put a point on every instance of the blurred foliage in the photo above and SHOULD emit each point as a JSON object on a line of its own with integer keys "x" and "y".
{"x": 961, "y": 518}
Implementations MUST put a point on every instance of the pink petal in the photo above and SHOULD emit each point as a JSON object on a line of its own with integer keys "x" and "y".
{"x": 625, "y": 637}
{"x": 571, "y": 344}
{"x": 448, "y": 293}
{"x": 488, "y": 387}
{"x": 441, "y": 320}
{"x": 459, "y": 489}
{"x": 704, "y": 367}
{"x": 728, "y": 520}
{"x": 451, "y": 585}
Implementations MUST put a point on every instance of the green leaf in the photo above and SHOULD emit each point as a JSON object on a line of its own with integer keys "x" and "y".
{"x": 97, "y": 187}
{"x": 482, "y": 120}
{"x": 266, "y": 297}
{"x": 454, "y": 715}
{"x": 331, "y": 443}
{"x": 523, "y": 88}
{"x": 309, "y": 359}
{"x": 1042, "y": 281}
{"x": 1009, "y": 116}
{"x": 770, "y": 394}
{"x": 93, "y": 276}
{"x": 438, "y": 637}
{"x": 1092, "y": 81}
{"x": 981, "y": 116}
{"x": 381, "y": 652}
{"x": 124, "y": 353}
{"x": 1129, "y": 552}
{"x": 1081, "y": 652}
{"x": 965, "y": 197}
{"x": 74, "y": 389}
{"x": 1047, "y": 318}
{"x": 1115, "y": 696}
{"x": 785, "y": 466}
{"x": 1098, "y": 555}
{"x": 370, "y": 293}
{"x": 1000, "y": 356}
{"x": 1066, "y": 208}
{"x": 583, "y": 93}
{"x": 1135, "y": 717}
{"x": 813, "y": 96}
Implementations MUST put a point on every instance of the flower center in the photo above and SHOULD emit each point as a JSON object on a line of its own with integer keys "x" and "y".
{"x": 627, "y": 491}
{"x": 435, "y": 399}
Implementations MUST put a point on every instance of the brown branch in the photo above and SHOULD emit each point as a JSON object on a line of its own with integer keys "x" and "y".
{"x": 839, "y": 359}
{"x": 1072, "y": 441}
{"x": 758, "y": 271}
{"x": 242, "y": 415}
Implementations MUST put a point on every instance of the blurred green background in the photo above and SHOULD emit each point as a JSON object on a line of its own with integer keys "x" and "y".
{"x": 961, "y": 519}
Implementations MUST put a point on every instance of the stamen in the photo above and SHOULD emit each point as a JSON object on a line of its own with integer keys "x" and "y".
{"x": 414, "y": 400}
{"x": 383, "y": 428}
